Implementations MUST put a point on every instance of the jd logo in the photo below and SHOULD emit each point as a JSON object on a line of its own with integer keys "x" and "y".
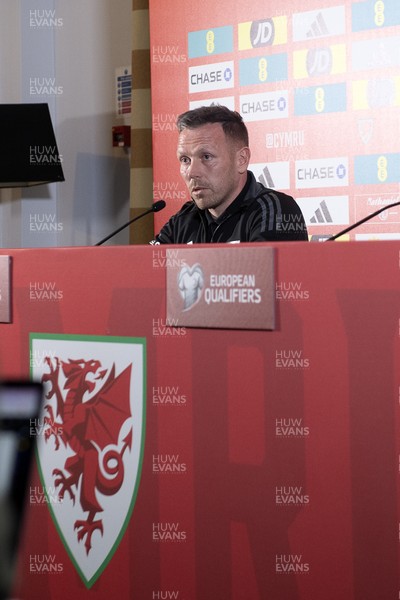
{"x": 319, "y": 61}
{"x": 262, "y": 33}
{"x": 91, "y": 440}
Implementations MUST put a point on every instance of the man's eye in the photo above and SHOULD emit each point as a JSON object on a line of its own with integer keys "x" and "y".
{"x": 184, "y": 160}
{"x": 207, "y": 156}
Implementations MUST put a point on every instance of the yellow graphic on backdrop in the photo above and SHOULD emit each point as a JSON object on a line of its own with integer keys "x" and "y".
{"x": 269, "y": 32}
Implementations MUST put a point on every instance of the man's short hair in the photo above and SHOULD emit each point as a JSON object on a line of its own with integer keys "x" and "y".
{"x": 231, "y": 121}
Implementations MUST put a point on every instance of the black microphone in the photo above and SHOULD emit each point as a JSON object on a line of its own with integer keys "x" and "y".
{"x": 364, "y": 220}
{"x": 155, "y": 207}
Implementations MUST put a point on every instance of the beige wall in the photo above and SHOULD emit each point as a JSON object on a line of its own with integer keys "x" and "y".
{"x": 78, "y": 51}
{"x": 141, "y": 188}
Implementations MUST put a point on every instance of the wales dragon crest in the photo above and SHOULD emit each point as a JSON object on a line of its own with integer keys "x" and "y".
{"x": 90, "y": 441}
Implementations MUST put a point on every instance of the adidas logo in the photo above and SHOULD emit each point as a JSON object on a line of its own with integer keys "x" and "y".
{"x": 266, "y": 179}
{"x": 322, "y": 214}
{"x": 318, "y": 27}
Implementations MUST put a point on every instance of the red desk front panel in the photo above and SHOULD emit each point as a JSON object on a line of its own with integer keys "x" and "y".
{"x": 270, "y": 460}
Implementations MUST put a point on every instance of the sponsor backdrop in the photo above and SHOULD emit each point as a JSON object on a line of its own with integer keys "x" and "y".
{"x": 318, "y": 85}
{"x": 191, "y": 464}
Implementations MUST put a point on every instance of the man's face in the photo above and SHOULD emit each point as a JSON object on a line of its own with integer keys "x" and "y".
{"x": 213, "y": 167}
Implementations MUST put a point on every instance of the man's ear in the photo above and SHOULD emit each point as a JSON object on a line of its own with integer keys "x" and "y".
{"x": 243, "y": 159}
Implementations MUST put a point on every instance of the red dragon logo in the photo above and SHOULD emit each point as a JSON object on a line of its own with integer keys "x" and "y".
{"x": 89, "y": 425}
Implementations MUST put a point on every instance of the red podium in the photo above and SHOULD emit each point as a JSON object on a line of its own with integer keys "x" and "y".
{"x": 252, "y": 464}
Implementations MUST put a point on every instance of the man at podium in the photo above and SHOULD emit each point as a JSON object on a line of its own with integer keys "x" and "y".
{"x": 227, "y": 203}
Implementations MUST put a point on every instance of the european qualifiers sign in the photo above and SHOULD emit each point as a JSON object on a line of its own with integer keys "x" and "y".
{"x": 5, "y": 289}
{"x": 226, "y": 288}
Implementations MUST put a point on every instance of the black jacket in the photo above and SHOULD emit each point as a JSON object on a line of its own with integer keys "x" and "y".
{"x": 258, "y": 214}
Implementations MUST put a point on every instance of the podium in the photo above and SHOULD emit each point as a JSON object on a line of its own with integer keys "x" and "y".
{"x": 268, "y": 461}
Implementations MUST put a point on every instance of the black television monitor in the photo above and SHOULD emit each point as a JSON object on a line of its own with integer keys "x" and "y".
{"x": 28, "y": 148}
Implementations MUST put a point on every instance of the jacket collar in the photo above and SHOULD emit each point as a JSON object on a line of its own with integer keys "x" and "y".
{"x": 236, "y": 206}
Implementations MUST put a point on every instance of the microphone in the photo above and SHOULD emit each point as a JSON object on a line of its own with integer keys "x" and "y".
{"x": 155, "y": 207}
{"x": 364, "y": 220}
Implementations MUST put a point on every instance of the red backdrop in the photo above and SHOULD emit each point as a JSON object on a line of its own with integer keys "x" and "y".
{"x": 317, "y": 84}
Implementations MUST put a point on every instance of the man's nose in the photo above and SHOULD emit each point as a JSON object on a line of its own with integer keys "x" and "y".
{"x": 194, "y": 169}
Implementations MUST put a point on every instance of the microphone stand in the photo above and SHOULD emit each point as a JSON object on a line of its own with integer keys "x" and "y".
{"x": 154, "y": 208}
{"x": 367, "y": 218}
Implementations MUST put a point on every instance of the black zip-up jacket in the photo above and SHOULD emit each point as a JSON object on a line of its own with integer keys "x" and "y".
{"x": 258, "y": 214}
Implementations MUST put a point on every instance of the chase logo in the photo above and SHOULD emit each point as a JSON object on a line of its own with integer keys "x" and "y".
{"x": 375, "y": 14}
{"x": 263, "y": 69}
{"x": 377, "y": 168}
{"x": 320, "y": 99}
{"x": 321, "y": 173}
{"x": 208, "y": 42}
{"x": 264, "y": 107}
{"x": 265, "y": 32}
{"x": 216, "y": 76}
